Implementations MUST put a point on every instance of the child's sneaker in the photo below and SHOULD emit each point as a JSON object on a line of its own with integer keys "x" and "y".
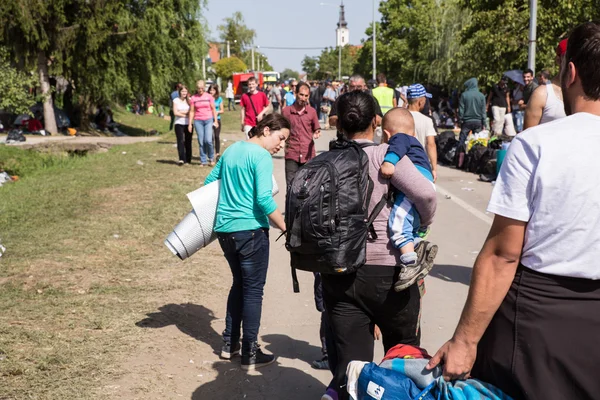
{"x": 426, "y": 253}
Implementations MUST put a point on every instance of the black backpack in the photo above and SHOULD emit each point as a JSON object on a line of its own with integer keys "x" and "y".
{"x": 326, "y": 212}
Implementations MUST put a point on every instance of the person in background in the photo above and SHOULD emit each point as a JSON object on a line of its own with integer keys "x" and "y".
{"x": 500, "y": 103}
{"x": 172, "y": 97}
{"x": 242, "y": 225}
{"x": 424, "y": 129}
{"x": 356, "y": 83}
{"x": 329, "y": 97}
{"x": 181, "y": 112}
{"x": 214, "y": 92}
{"x": 516, "y": 99}
{"x": 543, "y": 77}
{"x": 204, "y": 116}
{"x": 400, "y": 98}
{"x": 230, "y": 96}
{"x": 546, "y": 103}
{"x": 275, "y": 97}
{"x": 385, "y": 96}
{"x": 254, "y": 106}
{"x": 530, "y": 324}
{"x": 530, "y": 86}
{"x": 290, "y": 97}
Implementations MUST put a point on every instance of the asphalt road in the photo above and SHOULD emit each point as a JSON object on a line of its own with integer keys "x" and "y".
{"x": 290, "y": 322}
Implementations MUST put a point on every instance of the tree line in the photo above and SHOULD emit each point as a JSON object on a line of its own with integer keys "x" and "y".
{"x": 106, "y": 50}
{"x": 445, "y": 42}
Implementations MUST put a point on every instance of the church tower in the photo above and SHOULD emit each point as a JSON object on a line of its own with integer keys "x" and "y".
{"x": 342, "y": 32}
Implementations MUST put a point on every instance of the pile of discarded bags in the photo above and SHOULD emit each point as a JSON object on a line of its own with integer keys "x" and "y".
{"x": 402, "y": 375}
{"x": 480, "y": 155}
{"x": 15, "y": 136}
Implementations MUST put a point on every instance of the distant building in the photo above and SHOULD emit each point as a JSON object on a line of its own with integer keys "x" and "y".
{"x": 342, "y": 31}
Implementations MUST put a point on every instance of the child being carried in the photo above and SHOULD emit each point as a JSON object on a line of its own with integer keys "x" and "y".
{"x": 406, "y": 232}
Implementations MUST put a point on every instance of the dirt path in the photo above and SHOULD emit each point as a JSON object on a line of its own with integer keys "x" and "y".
{"x": 178, "y": 358}
{"x": 111, "y": 140}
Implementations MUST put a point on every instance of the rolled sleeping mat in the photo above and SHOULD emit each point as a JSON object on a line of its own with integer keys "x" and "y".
{"x": 196, "y": 230}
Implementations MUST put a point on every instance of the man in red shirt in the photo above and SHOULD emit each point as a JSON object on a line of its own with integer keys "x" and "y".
{"x": 300, "y": 146}
{"x": 254, "y": 106}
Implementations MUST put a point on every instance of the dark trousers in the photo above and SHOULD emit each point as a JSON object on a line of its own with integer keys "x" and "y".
{"x": 172, "y": 115}
{"x": 275, "y": 106}
{"x": 247, "y": 253}
{"x": 291, "y": 167}
{"x": 184, "y": 143}
{"x": 475, "y": 126}
{"x": 325, "y": 332}
{"x": 542, "y": 341}
{"x": 359, "y": 301}
{"x": 230, "y": 103}
{"x": 217, "y": 137}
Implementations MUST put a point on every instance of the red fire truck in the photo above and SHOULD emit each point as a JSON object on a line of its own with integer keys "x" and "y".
{"x": 240, "y": 82}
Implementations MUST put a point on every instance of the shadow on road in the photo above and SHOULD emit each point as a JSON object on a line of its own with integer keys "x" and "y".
{"x": 271, "y": 382}
{"x": 452, "y": 273}
{"x": 191, "y": 319}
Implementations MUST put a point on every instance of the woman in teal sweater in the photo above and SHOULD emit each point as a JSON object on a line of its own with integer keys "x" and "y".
{"x": 245, "y": 207}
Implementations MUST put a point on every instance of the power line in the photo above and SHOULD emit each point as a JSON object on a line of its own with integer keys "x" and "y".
{"x": 290, "y": 48}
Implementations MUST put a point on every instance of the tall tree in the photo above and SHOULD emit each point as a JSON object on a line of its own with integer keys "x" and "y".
{"x": 240, "y": 37}
{"x": 108, "y": 49}
{"x": 310, "y": 65}
{"x": 14, "y": 87}
{"x": 288, "y": 74}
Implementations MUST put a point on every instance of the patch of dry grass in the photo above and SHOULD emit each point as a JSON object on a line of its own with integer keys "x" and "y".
{"x": 84, "y": 262}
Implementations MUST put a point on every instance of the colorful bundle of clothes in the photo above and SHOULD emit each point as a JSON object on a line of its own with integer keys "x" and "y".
{"x": 402, "y": 375}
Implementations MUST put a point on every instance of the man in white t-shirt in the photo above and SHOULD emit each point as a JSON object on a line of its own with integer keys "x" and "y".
{"x": 425, "y": 132}
{"x": 531, "y": 322}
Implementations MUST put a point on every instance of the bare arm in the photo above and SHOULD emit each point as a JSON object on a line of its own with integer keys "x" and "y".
{"x": 489, "y": 100}
{"x": 277, "y": 219}
{"x": 493, "y": 273}
{"x": 394, "y": 102}
{"x": 243, "y": 115}
{"x": 333, "y": 120}
{"x": 535, "y": 107}
{"x": 191, "y": 116}
{"x": 214, "y": 112}
{"x": 417, "y": 188}
{"x": 432, "y": 154}
{"x": 507, "y": 102}
{"x": 178, "y": 113}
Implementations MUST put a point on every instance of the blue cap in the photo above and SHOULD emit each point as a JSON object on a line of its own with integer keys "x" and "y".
{"x": 416, "y": 90}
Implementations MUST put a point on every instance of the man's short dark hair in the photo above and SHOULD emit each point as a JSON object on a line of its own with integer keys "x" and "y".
{"x": 381, "y": 78}
{"x": 528, "y": 71}
{"x": 251, "y": 79}
{"x": 302, "y": 84}
{"x": 583, "y": 50}
{"x": 545, "y": 73}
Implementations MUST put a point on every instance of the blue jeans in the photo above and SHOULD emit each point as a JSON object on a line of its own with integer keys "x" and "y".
{"x": 474, "y": 126}
{"x": 247, "y": 253}
{"x": 204, "y": 130}
{"x": 518, "y": 118}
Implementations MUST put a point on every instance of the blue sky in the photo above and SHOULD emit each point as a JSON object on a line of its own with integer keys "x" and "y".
{"x": 287, "y": 23}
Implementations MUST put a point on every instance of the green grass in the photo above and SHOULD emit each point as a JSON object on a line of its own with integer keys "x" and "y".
{"x": 85, "y": 261}
{"x": 16, "y": 161}
{"x": 139, "y": 125}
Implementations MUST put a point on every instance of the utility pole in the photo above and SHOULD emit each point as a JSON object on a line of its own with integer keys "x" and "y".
{"x": 532, "y": 34}
{"x": 375, "y": 42}
{"x": 228, "y": 50}
{"x": 340, "y": 64}
{"x": 252, "y": 57}
{"x": 204, "y": 68}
